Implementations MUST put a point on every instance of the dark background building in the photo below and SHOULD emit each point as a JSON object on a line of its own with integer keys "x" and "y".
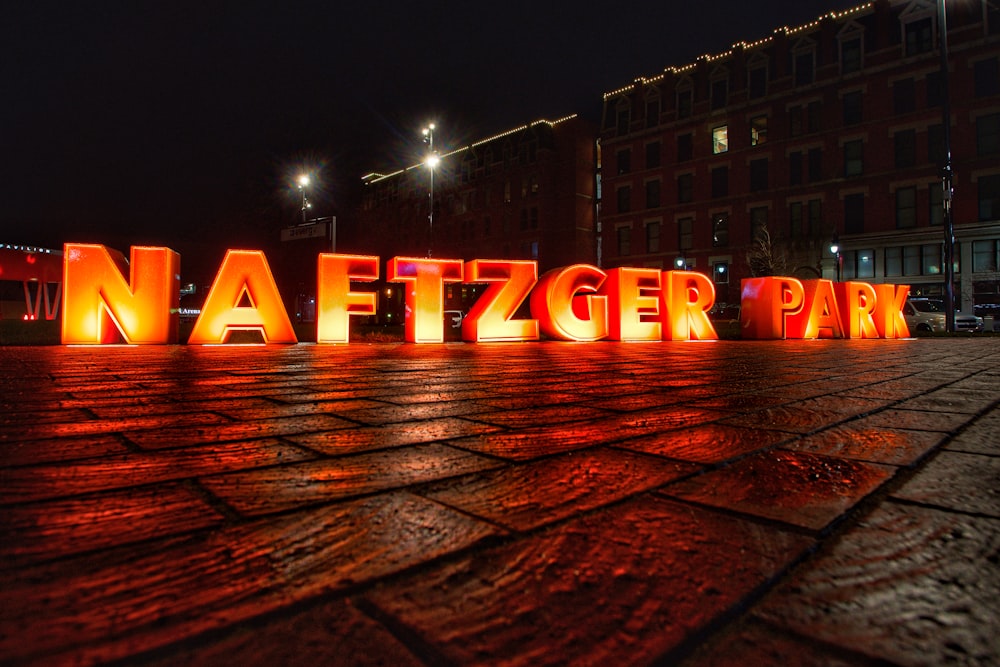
{"x": 750, "y": 161}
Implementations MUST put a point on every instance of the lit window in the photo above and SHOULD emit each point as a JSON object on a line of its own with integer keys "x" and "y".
{"x": 758, "y": 130}
{"x": 720, "y": 139}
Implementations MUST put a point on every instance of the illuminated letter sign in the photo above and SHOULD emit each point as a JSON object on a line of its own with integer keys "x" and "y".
{"x": 687, "y": 298}
{"x": 335, "y": 300}
{"x": 857, "y": 303}
{"x": 99, "y": 306}
{"x": 629, "y": 300}
{"x": 244, "y": 273}
{"x": 510, "y": 282}
{"x": 888, "y": 315}
{"x": 819, "y": 316}
{"x": 766, "y": 302}
{"x": 425, "y": 280}
{"x": 565, "y": 304}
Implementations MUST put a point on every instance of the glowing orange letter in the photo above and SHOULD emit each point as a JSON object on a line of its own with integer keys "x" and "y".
{"x": 687, "y": 298}
{"x": 766, "y": 302}
{"x": 857, "y": 303}
{"x": 100, "y": 307}
{"x": 424, "y": 294}
{"x": 819, "y": 317}
{"x": 627, "y": 290}
{"x": 243, "y": 273}
{"x": 889, "y": 310}
{"x": 560, "y": 310}
{"x": 489, "y": 319}
{"x": 334, "y": 297}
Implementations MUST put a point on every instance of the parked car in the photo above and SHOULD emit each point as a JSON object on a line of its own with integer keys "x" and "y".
{"x": 927, "y": 315}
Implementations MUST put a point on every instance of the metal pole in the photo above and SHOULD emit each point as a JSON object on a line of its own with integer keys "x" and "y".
{"x": 947, "y": 184}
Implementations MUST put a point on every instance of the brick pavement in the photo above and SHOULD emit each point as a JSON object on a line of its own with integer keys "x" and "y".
{"x": 751, "y": 503}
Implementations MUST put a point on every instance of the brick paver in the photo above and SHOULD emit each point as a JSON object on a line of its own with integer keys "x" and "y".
{"x": 723, "y": 503}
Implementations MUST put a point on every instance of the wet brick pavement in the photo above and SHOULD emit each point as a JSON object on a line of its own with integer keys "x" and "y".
{"x": 726, "y": 503}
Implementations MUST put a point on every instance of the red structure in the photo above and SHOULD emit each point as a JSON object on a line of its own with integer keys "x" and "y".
{"x": 525, "y": 194}
{"x": 39, "y": 274}
{"x": 752, "y": 161}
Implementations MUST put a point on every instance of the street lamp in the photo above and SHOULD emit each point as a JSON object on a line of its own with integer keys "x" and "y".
{"x": 303, "y": 184}
{"x": 835, "y": 251}
{"x": 947, "y": 184}
{"x": 680, "y": 263}
{"x": 431, "y": 162}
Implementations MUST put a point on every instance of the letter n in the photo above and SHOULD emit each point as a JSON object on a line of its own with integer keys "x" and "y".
{"x": 99, "y": 306}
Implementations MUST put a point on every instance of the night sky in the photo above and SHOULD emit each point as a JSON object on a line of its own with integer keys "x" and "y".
{"x": 182, "y": 123}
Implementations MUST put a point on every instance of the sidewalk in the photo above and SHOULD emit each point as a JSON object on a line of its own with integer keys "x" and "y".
{"x": 705, "y": 503}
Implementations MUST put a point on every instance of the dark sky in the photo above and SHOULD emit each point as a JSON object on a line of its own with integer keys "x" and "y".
{"x": 178, "y": 122}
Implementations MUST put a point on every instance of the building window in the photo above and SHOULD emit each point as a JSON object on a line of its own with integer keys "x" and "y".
{"x": 624, "y": 157}
{"x": 804, "y": 68}
{"x": 859, "y": 264}
{"x": 720, "y": 182}
{"x": 720, "y": 273}
{"x": 987, "y": 77}
{"x": 930, "y": 259}
{"x": 685, "y": 234}
{"x": 933, "y": 91}
{"x": 524, "y": 219}
{"x": 652, "y": 155}
{"x": 720, "y": 93}
{"x": 758, "y": 130}
{"x": 893, "y": 262}
{"x": 935, "y": 201}
{"x": 624, "y": 199}
{"x": 795, "y": 168}
{"x": 988, "y": 135}
{"x": 795, "y": 121}
{"x": 935, "y": 144}
{"x": 815, "y": 157}
{"x": 652, "y": 237}
{"x": 623, "y": 120}
{"x": 758, "y": 82}
{"x": 795, "y": 219}
{"x": 814, "y": 113}
{"x": 854, "y": 213}
{"x": 905, "y": 145}
{"x": 624, "y": 241}
{"x": 989, "y": 197}
{"x": 653, "y": 112}
{"x": 534, "y": 217}
{"x": 685, "y": 188}
{"x": 906, "y": 208}
{"x": 758, "y": 220}
{"x": 720, "y": 229}
{"x": 852, "y": 107}
{"x": 684, "y": 103}
{"x": 815, "y": 217}
{"x": 685, "y": 147}
{"x": 720, "y": 139}
{"x": 853, "y": 158}
{"x": 758, "y": 175}
{"x": 985, "y": 255}
{"x": 653, "y": 194}
{"x": 904, "y": 96}
{"x": 850, "y": 55}
{"x": 919, "y": 36}
{"x": 911, "y": 260}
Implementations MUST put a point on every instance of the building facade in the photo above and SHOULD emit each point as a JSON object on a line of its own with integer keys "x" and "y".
{"x": 527, "y": 193}
{"x": 752, "y": 161}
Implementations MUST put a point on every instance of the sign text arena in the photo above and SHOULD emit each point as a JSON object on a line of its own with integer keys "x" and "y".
{"x": 109, "y": 300}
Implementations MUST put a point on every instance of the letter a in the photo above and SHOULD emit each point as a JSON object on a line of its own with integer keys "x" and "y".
{"x": 100, "y": 307}
{"x": 243, "y": 273}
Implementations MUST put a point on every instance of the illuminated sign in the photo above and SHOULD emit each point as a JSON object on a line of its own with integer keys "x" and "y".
{"x": 575, "y": 303}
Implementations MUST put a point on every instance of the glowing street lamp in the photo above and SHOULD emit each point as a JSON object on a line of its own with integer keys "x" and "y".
{"x": 432, "y": 162}
{"x": 303, "y": 184}
{"x": 835, "y": 251}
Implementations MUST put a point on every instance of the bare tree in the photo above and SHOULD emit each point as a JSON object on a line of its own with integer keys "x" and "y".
{"x": 763, "y": 258}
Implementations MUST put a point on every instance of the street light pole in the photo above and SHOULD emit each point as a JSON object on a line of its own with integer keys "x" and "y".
{"x": 947, "y": 183}
{"x": 303, "y": 184}
{"x": 835, "y": 249}
{"x": 431, "y": 162}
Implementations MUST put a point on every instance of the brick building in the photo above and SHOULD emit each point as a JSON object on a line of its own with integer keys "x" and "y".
{"x": 759, "y": 155}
